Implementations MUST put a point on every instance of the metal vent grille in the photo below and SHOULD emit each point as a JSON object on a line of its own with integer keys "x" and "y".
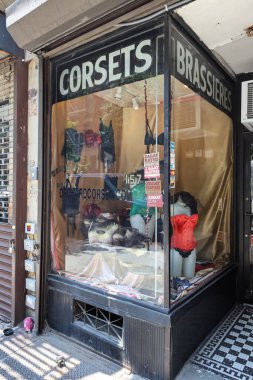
{"x": 250, "y": 101}
{"x": 107, "y": 323}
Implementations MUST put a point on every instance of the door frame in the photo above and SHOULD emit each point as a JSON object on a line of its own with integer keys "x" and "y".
{"x": 20, "y": 147}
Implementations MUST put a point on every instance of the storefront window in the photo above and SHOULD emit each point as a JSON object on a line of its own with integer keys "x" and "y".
{"x": 201, "y": 169}
{"x": 107, "y": 170}
{"x": 105, "y": 230}
{"x": 201, "y": 193}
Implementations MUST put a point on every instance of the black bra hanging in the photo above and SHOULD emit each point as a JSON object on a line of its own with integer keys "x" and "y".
{"x": 149, "y": 138}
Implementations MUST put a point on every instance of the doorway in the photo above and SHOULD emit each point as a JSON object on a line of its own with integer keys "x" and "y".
{"x": 13, "y": 169}
{"x": 248, "y": 218}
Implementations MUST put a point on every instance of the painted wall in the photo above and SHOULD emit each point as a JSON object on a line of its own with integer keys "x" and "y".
{"x": 32, "y": 183}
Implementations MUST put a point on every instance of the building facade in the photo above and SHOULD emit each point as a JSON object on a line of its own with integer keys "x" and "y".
{"x": 134, "y": 154}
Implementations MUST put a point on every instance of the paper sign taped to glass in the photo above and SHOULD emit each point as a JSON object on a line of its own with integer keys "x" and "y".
{"x": 153, "y": 187}
{"x": 154, "y": 200}
{"x": 151, "y": 159}
{"x": 152, "y": 172}
{"x": 151, "y": 165}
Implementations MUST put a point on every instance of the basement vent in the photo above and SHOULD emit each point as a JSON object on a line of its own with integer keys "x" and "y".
{"x": 99, "y": 320}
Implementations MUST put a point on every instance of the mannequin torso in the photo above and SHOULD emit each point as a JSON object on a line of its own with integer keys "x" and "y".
{"x": 183, "y": 243}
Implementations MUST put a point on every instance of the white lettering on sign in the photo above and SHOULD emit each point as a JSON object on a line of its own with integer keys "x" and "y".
{"x": 63, "y": 91}
{"x": 155, "y": 200}
{"x": 84, "y": 76}
{"x": 152, "y": 172}
{"x": 101, "y": 70}
{"x": 198, "y": 74}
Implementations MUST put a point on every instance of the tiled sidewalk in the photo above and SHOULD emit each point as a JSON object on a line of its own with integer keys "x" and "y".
{"x": 228, "y": 351}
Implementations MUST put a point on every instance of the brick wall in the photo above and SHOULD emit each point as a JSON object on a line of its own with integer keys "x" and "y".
{"x": 6, "y": 141}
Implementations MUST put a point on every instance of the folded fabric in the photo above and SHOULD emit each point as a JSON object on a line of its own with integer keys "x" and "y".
{"x": 180, "y": 284}
{"x": 102, "y": 234}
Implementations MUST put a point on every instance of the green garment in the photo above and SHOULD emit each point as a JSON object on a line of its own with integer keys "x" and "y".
{"x": 139, "y": 203}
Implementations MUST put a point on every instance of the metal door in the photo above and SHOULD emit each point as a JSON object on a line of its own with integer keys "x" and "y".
{"x": 248, "y": 218}
{"x": 6, "y": 185}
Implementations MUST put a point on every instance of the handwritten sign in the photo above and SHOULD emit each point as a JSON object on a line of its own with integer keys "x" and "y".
{"x": 153, "y": 187}
{"x": 151, "y": 165}
{"x": 154, "y": 200}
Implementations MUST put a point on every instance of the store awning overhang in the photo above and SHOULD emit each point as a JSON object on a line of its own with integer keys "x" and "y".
{"x": 8, "y": 46}
{"x": 37, "y": 24}
{"x": 226, "y": 28}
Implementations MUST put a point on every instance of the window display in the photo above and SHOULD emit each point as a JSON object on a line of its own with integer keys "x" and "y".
{"x": 201, "y": 190}
{"x": 107, "y": 169}
{"x": 104, "y": 231}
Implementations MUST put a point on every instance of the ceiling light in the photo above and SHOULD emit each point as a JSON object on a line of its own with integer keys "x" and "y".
{"x": 118, "y": 93}
{"x": 135, "y": 104}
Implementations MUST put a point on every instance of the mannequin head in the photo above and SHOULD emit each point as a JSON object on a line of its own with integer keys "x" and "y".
{"x": 183, "y": 203}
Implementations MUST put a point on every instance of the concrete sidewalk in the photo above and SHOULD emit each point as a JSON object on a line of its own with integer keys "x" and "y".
{"x": 32, "y": 357}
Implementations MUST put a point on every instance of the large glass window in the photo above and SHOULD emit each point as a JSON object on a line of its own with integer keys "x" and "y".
{"x": 201, "y": 190}
{"x": 107, "y": 170}
{"x": 106, "y": 197}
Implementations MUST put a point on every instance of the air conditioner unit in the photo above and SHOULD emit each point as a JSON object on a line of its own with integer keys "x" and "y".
{"x": 247, "y": 105}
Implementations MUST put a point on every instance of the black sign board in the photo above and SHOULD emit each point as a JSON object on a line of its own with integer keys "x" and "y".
{"x": 194, "y": 69}
{"x": 135, "y": 58}
{"x": 129, "y": 60}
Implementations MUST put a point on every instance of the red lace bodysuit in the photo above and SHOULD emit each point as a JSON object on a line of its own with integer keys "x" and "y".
{"x": 183, "y": 239}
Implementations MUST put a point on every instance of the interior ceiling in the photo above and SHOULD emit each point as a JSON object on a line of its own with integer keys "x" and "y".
{"x": 123, "y": 96}
{"x": 221, "y": 25}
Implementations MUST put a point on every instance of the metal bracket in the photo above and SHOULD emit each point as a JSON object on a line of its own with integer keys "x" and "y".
{"x": 12, "y": 247}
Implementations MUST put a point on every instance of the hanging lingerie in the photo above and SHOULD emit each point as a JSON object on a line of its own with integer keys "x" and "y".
{"x": 139, "y": 203}
{"x": 73, "y": 144}
{"x": 183, "y": 240}
{"x": 107, "y": 143}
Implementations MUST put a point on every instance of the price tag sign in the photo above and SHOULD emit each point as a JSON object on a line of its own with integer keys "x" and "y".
{"x": 151, "y": 159}
{"x": 152, "y": 172}
{"x": 151, "y": 165}
{"x": 153, "y": 193}
{"x": 154, "y": 200}
{"x": 153, "y": 187}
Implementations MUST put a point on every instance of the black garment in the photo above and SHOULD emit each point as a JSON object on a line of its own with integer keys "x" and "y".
{"x": 107, "y": 145}
{"x": 73, "y": 144}
{"x": 110, "y": 187}
{"x": 70, "y": 198}
{"x": 160, "y": 139}
{"x": 184, "y": 254}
